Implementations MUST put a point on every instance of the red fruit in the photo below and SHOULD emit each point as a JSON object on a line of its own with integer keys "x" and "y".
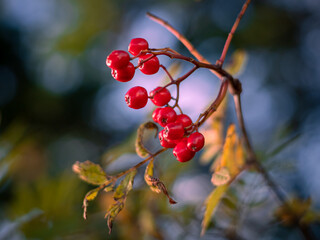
{"x": 182, "y": 152}
{"x": 136, "y": 45}
{"x": 166, "y": 115}
{"x": 165, "y": 142}
{"x": 160, "y": 98}
{"x": 195, "y": 141}
{"x": 118, "y": 59}
{"x": 136, "y": 97}
{"x": 151, "y": 66}
{"x": 184, "y": 119}
{"x": 155, "y": 114}
{"x": 174, "y": 131}
{"x": 123, "y": 74}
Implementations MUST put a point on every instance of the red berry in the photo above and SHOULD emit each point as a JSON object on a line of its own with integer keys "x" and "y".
{"x": 123, "y": 74}
{"x": 166, "y": 115}
{"x": 195, "y": 141}
{"x": 182, "y": 152}
{"x": 160, "y": 98}
{"x": 151, "y": 66}
{"x": 118, "y": 59}
{"x": 174, "y": 131}
{"x": 155, "y": 114}
{"x": 136, "y": 97}
{"x": 165, "y": 142}
{"x": 136, "y": 45}
{"x": 184, "y": 119}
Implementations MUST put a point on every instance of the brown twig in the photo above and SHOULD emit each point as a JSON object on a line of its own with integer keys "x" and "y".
{"x": 182, "y": 39}
{"x": 230, "y": 36}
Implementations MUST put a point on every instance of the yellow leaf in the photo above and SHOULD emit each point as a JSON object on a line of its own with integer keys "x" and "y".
{"x": 232, "y": 160}
{"x": 296, "y": 210}
{"x": 91, "y": 195}
{"x": 214, "y": 134}
{"x": 90, "y": 172}
{"x": 211, "y": 204}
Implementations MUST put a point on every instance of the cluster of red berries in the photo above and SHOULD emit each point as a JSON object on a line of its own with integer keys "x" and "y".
{"x": 176, "y": 132}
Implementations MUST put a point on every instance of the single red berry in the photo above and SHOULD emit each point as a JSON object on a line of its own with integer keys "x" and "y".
{"x": 155, "y": 114}
{"x": 195, "y": 141}
{"x": 151, "y": 66}
{"x": 166, "y": 115}
{"x": 118, "y": 59}
{"x": 184, "y": 119}
{"x": 174, "y": 131}
{"x": 123, "y": 74}
{"x": 160, "y": 98}
{"x": 165, "y": 142}
{"x": 136, "y": 97}
{"x": 136, "y": 45}
{"x": 182, "y": 152}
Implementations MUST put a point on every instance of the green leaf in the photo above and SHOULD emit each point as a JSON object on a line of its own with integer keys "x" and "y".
{"x": 90, "y": 172}
{"x": 120, "y": 196}
{"x": 141, "y": 150}
{"x": 211, "y": 203}
{"x": 155, "y": 184}
{"x": 113, "y": 211}
{"x": 125, "y": 186}
{"x": 91, "y": 195}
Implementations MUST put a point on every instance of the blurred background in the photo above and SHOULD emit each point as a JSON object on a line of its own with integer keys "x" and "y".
{"x": 59, "y": 104}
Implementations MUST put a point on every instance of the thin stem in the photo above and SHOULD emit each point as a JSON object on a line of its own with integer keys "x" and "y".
{"x": 214, "y": 105}
{"x": 167, "y": 72}
{"x": 233, "y": 30}
{"x": 182, "y": 39}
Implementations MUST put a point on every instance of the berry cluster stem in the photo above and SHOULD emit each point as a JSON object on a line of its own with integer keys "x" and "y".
{"x": 235, "y": 90}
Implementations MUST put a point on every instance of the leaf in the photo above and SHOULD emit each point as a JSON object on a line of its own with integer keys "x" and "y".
{"x": 90, "y": 172}
{"x": 232, "y": 160}
{"x": 125, "y": 186}
{"x": 211, "y": 204}
{"x": 238, "y": 62}
{"x": 155, "y": 184}
{"x": 113, "y": 211}
{"x": 91, "y": 195}
{"x": 141, "y": 150}
{"x": 220, "y": 177}
{"x": 214, "y": 134}
{"x": 120, "y": 196}
{"x": 296, "y": 210}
